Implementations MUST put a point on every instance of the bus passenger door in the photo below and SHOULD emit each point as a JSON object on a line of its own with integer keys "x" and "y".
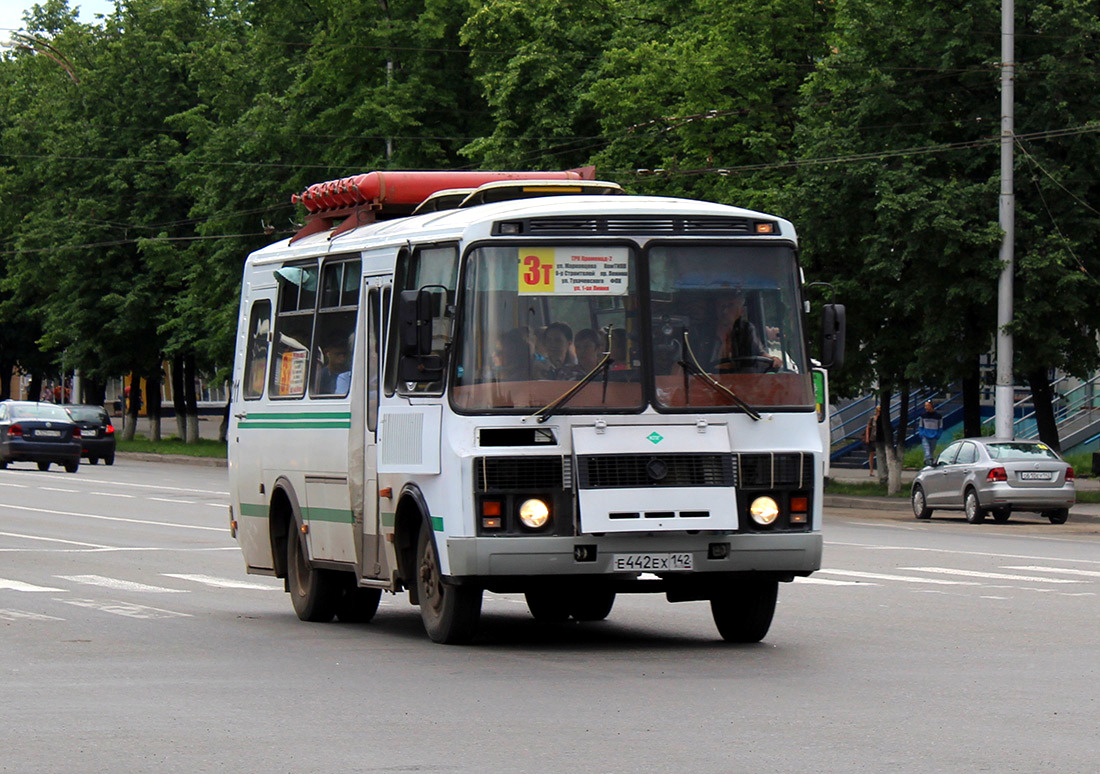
{"x": 362, "y": 448}
{"x": 248, "y": 437}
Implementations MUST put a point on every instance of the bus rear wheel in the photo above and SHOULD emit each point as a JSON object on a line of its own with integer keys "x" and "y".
{"x": 743, "y": 610}
{"x": 594, "y": 605}
{"x": 358, "y": 605}
{"x": 450, "y": 613}
{"x": 314, "y": 593}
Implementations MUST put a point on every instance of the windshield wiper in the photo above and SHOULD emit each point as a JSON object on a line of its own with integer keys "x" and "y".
{"x": 604, "y": 365}
{"x": 690, "y": 364}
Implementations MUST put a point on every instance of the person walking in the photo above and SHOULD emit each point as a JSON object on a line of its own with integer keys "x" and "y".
{"x": 870, "y": 437}
{"x": 929, "y": 428}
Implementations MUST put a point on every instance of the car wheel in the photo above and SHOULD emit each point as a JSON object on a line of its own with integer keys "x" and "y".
{"x": 1000, "y": 515}
{"x": 920, "y": 505}
{"x": 1058, "y": 516}
{"x": 743, "y": 610}
{"x": 71, "y": 467}
{"x": 3, "y": 464}
{"x": 93, "y": 460}
{"x": 450, "y": 613}
{"x": 593, "y": 606}
{"x": 975, "y": 513}
{"x": 547, "y": 606}
{"x": 109, "y": 459}
{"x": 314, "y": 593}
{"x": 358, "y": 605}
{"x": 43, "y": 466}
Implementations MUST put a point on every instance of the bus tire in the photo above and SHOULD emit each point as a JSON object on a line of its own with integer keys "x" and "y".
{"x": 358, "y": 605}
{"x": 450, "y": 613}
{"x": 314, "y": 593}
{"x": 743, "y": 610}
{"x": 594, "y": 605}
{"x": 547, "y": 606}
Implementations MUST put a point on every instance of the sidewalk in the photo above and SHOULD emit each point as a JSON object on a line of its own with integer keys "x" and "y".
{"x": 1080, "y": 512}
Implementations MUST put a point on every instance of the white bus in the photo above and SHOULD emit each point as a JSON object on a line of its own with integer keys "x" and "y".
{"x": 540, "y": 387}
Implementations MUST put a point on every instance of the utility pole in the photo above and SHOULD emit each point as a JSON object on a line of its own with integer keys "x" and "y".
{"x": 1004, "y": 395}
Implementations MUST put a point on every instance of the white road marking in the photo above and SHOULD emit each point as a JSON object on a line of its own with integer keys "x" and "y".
{"x": 902, "y": 578}
{"x": 964, "y": 553}
{"x": 15, "y": 486}
{"x": 124, "y": 608}
{"x": 15, "y": 585}
{"x": 989, "y": 575}
{"x": 114, "y": 494}
{"x": 224, "y": 583}
{"x": 828, "y": 582}
{"x": 118, "y": 585}
{"x": 57, "y": 489}
{"x": 1063, "y": 570}
{"x": 112, "y": 518}
{"x": 173, "y": 501}
{"x": 109, "y": 482}
{"x": 48, "y": 540}
{"x": 24, "y": 615}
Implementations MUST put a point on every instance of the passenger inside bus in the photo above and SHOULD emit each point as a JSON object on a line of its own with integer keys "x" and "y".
{"x": 556, "y": 360}
{"x": 739, "y": 347}
{"x": 588, "y": 348}
{"x": 335, "y": 374}
{"x": 512, "y": 357}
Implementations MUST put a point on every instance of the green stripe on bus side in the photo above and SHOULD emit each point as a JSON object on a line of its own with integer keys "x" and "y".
{"x": 246, "y": 424}
{"x": 388, "y": 519}
{"x": 287, "y": 415}
{"x": 335, "y": 515}
{"x": 250, "y": 509}
{"x": 437, "y": 523}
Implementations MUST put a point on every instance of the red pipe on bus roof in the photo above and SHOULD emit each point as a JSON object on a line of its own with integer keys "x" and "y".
{"x": 411, "y": 188}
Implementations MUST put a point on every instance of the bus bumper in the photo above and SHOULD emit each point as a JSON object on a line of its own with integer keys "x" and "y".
{"x": 488, "y": 557}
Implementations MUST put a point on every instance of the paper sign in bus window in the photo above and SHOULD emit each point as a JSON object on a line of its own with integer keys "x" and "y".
{"x": 292, "y": 373}
{"x": 569, "y": 271}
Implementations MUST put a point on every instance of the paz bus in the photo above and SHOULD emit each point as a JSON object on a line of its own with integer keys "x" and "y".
{"x": 448, "y": 383}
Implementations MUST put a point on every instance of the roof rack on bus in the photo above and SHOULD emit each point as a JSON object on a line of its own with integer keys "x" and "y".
{"x": 373, "y": 196}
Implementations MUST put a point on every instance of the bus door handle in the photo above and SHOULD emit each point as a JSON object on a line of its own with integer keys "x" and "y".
{"x": 242, "y": 415}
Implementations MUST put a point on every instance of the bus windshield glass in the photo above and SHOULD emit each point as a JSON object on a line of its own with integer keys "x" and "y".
{"x": 727, "y": 314}
{"x": 536, "y": 320}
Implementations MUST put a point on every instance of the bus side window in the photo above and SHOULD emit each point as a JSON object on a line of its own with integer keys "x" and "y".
{"x": 436, "y": 265}
{"x": 334, "y": 335}
{"x": 255, "y": 363}
{"x": 293, "y": 330}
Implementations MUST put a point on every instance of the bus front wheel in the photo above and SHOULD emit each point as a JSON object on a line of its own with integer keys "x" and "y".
{"x": 314, "y": 593}
{"x": 450, "y": 613}
{"x": 743, "y": 610}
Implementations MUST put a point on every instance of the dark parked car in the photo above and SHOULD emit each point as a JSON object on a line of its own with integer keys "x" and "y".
{"x": 38, "y": 432}
{"x": 97, "y": 434}
{"x": 996, "y": 476}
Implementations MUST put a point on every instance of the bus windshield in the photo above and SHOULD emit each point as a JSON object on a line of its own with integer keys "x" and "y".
{"x": 537, "y": 319}
{"x": 726, "y": 314}
{"x": 721, "y": 318}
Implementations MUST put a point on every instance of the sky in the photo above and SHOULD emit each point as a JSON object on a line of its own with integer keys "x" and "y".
{"x": 11, "y": 12}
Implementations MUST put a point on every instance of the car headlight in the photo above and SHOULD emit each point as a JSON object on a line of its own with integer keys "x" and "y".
{"x": 764, "y": 511}
{"x": 534, "y": 513}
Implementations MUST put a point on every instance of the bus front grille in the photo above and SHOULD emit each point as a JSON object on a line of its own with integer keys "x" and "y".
{"x": 775, "y": 470}
{"x": 496, "y": 474}
{"x": 615, "y": 471}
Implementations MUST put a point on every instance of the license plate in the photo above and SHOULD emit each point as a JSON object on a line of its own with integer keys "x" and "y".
{"x": 89, "y": 433}
{"x": 48, "y": 433}
{"x": 650, "y": 562}
{"x": 1034, "y": 475}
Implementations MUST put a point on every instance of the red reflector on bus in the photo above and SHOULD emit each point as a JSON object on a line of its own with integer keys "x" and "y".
{"x": 800, "y": 504}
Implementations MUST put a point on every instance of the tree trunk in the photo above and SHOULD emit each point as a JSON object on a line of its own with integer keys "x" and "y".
{"x": 177, "y": 397}
{"x": 972, "y": 400}
{"x": 153, "y": 403}
{"x": 7, "y": 372}
{"x": 223, "y": 429}
{"x": 1042, "y": 399}
{"x": 133, "y": 406}
{"x": 189, "y": 381}
{"x": 34, "y": 389}
{"x": 95, "y": 391}
{"x": 903, "y": 420}
{"x": 889, "y": 445}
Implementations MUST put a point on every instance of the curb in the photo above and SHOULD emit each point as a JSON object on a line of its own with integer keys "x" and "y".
{"x": 1082, "y": 513}
{"x": 175, "y": 459}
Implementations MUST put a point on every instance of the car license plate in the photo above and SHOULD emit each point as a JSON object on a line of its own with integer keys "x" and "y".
{"x": 47, "y": 433}
{"x": 650, "y": 562}
{"x": 1034, "y": 475}
{"x": 91, "y": 432}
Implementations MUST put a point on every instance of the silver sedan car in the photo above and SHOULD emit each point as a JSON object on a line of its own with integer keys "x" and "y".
{"x": 995, "y": 476}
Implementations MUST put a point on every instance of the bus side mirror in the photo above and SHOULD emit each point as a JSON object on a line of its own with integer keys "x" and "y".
{"x": 833, "y": 331}
{"x": 418, "y": 363}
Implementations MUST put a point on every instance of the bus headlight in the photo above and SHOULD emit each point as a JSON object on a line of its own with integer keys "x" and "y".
{"x": 764, "y": 511}
{"x": 534, "y": 513}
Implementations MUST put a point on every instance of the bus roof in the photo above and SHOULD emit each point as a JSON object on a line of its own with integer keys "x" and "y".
{"x": 476, "y": 222}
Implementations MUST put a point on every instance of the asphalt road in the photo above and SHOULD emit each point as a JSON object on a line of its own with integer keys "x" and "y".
{"x": 131, "y": 641}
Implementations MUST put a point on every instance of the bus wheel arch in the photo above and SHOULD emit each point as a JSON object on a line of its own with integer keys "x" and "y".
{"x": 284, "y": 515}
{"x": 410, "y": 517}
